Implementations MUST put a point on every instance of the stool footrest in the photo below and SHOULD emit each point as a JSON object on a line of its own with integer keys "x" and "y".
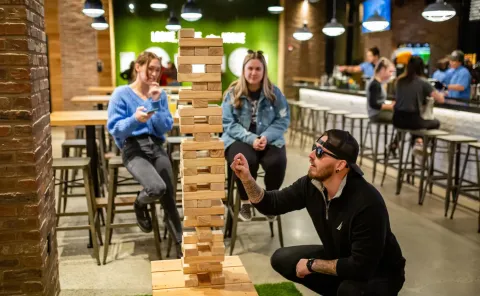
{"x": 68, "y": 228}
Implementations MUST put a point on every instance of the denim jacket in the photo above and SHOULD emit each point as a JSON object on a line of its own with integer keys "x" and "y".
{"x": 273, "y": 119}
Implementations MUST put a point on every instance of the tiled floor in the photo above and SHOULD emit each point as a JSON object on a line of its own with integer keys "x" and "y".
{"x": 443, "y": 255}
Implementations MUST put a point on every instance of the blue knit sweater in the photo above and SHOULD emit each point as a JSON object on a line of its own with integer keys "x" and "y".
{"x": 122, "y": 123}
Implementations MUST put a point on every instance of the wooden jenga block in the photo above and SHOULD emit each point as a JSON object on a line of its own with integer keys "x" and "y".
{"x": 217, "y": 169}
{"x": 215, "y": 209}
{"x": 200, "y": 195}
{"x": 201, "y": 51}
{"x": 217, "y": 248}
{"x": 217, "y": 278}
{"x": 200, "y": 103}
{"x": 204, "y": 178}
{"x": 190, "y": 250}
{"x": 217, "y": 186}
{"x": 203, "y": 279}
{"x": 204, "y": 220}
{"x": 215, "y": 120}
{"x": 201, "y": 267}
{"x": 202, "y": 137}
{"x": 188, "y": 144}
{"x": 217, "y": 235}
{"x": 214, "y": 86}
{"x": 189, "y": 155}
{"x": 200, "y": 42}
{"x": 186, "y": 52}
{"x": 186, "y": 33}
{"x": 191, "y": 280}
{"x": 186, "y": 68}
{"x": 200, "y": 86}
{"x": 216, "y": 153}
{"x": 204, "y": 234}
{"x": 204, "y": 259}
{"x": 210, "y": 111}
{"x": 199, "y": 60}
{"x": 199, "y": 77}
{"x": 190, "y": 203}
{"x": 190, "y": 238}
{"x": 211, "y": 221}
{"x": 187, "y": 94}
{"x": 201, "y": 128}
{"x": 189, "y": 187}
{"x": 215, "y": 51}
{"x": 184, "y": 120}
{"x": 203, "y": 162}
{"x": 212, "y": 69}
{"x": 204, "y": 203}
{"x": 190, "y": 171}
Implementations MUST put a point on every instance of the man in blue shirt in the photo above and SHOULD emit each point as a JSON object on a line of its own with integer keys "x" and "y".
{"x": 367, "y": 67}
{"x": 459, "y": 82}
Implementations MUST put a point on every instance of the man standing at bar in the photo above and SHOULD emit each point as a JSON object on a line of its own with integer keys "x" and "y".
{"x": 367, "y": 67}
{"x": 459, "y": 78}
{"x": 360, "y": 255}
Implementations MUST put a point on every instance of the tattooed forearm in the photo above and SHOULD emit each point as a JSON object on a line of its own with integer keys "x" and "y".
{"x": 254, "y": 192}
{"x": 325, "y": 266}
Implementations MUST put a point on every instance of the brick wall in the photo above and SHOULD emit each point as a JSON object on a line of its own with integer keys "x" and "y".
{"x": 307, "y": 57}
{"x": 28, "y": 250}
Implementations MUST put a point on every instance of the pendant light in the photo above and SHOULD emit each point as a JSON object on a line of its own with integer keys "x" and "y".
{"x": 376, "y": 23}
{"x": 333, "y": 28}
{"x": 303, "y": 33}
{"x": 157, "y": 6}
{"x": 191, "y": 12}
{"x": 100, "y": 23}
{"x": 93, "y": 8}
{"x": 439, "y": 11}
{"x": 173, "y": 24}
{"x": 275, "y": 8}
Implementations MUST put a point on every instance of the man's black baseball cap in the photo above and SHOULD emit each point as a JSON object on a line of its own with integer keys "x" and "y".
{"x": 343, "y": 144}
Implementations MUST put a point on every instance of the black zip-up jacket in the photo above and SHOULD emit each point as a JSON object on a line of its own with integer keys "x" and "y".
{"x": 354, "y": 227}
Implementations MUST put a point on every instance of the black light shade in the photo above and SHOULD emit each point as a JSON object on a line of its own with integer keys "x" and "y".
{"x": 173, "y": 24}
{"x": 439, "y": 11}
{"x": 100, "y": 23}
{"x": 333, "y": 28}
{"x": 93, "y": 8}
{"x": 376, "y": 23}
{"x": 191, "y": 12}
{"x": 303, "y": 33}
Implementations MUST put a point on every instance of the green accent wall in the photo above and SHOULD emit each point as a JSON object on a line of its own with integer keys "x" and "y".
{"x": 133, "y": 34}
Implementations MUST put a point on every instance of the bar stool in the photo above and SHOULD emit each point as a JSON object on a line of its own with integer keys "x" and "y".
{"x": 82, "y": 164}
{"x": 335, "y": 114}
{"x": 472, "y": 185}
{"x": 353, "y": 118}
{"x": 317, "y": 122}
{"x": 297, "y": 125}
{"x": 309, "y": 123}
{"x": 381, "y": 128}
{"x": 233, "y": 209}
{"x": 454, "y": 143}
{"x": 115, "y": 200}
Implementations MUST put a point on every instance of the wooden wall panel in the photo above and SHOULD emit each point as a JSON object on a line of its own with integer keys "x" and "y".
{"x": 104, "y": 48}
{"x": 55, "y": 55}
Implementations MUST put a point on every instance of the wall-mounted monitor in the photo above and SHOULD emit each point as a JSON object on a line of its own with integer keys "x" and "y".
{"x": 382, "y": 7}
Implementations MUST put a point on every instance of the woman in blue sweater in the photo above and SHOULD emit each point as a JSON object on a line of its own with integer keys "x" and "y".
{"x": 255, "y": 117}
{"x": 138, "y": 118}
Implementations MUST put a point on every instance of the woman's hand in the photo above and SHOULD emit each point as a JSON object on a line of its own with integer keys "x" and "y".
{"x": 260, "y": 143}
{"x": 141, "y": 115}
{"x": 155, "y": 91}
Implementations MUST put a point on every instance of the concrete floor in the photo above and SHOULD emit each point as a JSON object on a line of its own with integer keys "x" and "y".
{"x": 443, "y": 255}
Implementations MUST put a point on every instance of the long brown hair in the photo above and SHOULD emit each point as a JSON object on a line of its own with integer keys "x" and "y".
{"x": 147, "y": 57}
{"x": 239, "y": 87}
{"x": 415, "y": 68}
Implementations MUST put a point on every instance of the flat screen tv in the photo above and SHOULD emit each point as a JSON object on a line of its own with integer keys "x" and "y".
{"x": 382, "y": 7}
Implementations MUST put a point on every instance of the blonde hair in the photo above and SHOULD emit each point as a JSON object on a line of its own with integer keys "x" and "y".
{"x": 239, "y": 87}
{"x": 383, "y": 63}
{"x": 146, "y": 57}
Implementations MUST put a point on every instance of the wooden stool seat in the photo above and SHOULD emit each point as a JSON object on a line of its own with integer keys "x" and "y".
{"x": 115, "y": 162}
{"x": 321, "y": 108}
{"x": 457, "y": 138}
{"x": 75, "y": 143}
{"x": 356, "y": 116}
{"x": 338, "y": 112}
{"x": 429, "y": 133}
{"x": 70, "y": 163}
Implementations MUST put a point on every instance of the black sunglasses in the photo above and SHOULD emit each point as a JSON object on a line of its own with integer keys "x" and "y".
{"x": 319, "y": 152}
{"x": 252, "y": 52}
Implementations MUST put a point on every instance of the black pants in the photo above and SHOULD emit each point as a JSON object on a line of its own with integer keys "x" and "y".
{"x": 272, "y": 159}
{"x": 147, "y": 161}
{"x": 413, "y": 121}
{"x": 285, "y": 260}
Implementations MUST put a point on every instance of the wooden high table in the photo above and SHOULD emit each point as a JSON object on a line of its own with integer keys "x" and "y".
{"x": 97, "y": 100}
{"x": 108, "y": 90}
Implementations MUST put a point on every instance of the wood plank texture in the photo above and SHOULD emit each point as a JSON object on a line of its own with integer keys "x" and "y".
{"x": 186, "y": 33}
{"x": 210, "y": 111}
{"x": 245, "y": 289}
{"x": 200, "y": 42}
{"x": 202, "y": 60}
{"x": 204, "y": 178}
{"x": 216, "y": 209}
{"x": 203, "y": 162}
{"x": 199, "y": 77}
{"x": 186, "y": 94}
{"x": 201, "y": 195}
{"x": 201, "y": 128}
{"x": 216, "y": 221}
{"x": 214, "y": 144}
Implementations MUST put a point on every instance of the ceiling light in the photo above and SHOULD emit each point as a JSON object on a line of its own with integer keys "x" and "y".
{"x": 303, "y": 33}
{"x": 191, "y": 12}
{"x": 173, "y": 24}
{"x": 333, "y": 28}
{"x": 275, "y": 8}
{"x": 439, "y": 11}
{"x": 100, "y": 23}
{"x": 375, "y": 23}
{"x": 158, "y": 6}
{"x": 93, "y": 8}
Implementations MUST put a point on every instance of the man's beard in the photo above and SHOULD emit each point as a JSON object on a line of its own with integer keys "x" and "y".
{"x": 321, "y": 174}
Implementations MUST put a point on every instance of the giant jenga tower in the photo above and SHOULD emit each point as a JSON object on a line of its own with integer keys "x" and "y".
{"x": 202, "y": 160}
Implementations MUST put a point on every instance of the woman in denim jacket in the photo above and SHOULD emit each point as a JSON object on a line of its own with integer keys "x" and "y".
{"x": 255, "y": 117}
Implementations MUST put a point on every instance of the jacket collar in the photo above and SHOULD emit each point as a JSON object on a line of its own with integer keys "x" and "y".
{"x": 321, "y": 188}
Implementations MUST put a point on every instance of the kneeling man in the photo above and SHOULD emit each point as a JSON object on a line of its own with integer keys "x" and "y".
{"x": 360, "y": 255}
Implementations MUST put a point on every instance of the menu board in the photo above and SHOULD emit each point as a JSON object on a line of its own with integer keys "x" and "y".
{"x": 474, "y": 10}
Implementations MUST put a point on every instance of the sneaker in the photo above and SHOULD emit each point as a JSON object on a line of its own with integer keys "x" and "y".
{"x": 143, "y": 217}
{"x": 245, "y": 213}
{"x": 270, "y": 218}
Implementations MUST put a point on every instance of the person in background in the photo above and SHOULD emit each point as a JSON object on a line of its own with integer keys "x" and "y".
{"x": 255, "y": 117}
{"x": 441, "y": 73}
{"x": 171, "y": 73}
{"x": 459, "y": 83}
{"x": 412, "y": 91}
{"x": 378, "y": 110}
{"x": 367, "y": 67}
{"x": 129, "y": 74}
{"x": 138, "y": 118}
